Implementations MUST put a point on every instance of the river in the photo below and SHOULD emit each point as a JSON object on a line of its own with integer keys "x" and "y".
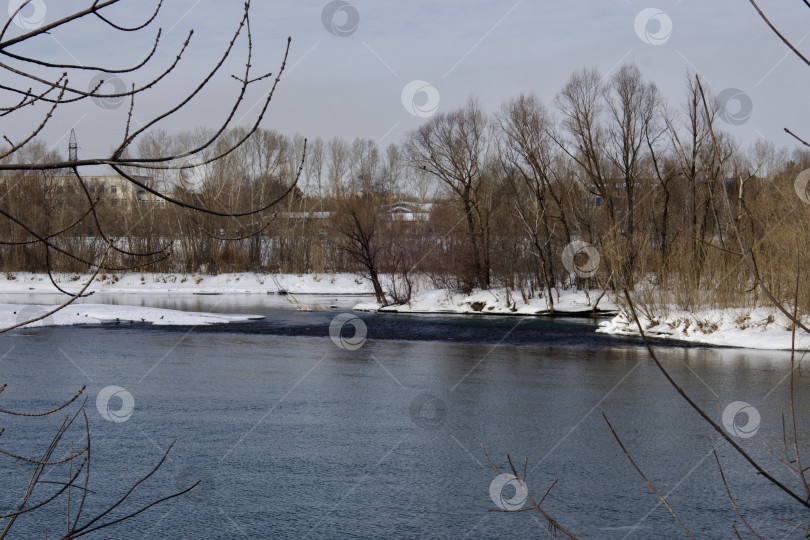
{"x": 296, "y": 432}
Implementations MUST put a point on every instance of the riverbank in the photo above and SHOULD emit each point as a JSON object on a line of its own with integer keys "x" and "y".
{"x": 155, "y": 283}
{"x": 761, "y": 328}
{"x": 501, "y": 301}
{"x": 93, "y": 314}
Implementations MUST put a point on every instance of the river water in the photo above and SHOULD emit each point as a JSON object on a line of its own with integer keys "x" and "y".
{"x": 296, "y": 432}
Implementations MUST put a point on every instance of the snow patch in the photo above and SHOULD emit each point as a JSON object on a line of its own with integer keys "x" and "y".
{"x": 498, "y": 302}
{"x": 760, "y": 328}
{"x": 12, "y": 314}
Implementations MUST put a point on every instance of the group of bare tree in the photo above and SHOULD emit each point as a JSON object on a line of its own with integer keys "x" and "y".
{"x": 609, "y": 163}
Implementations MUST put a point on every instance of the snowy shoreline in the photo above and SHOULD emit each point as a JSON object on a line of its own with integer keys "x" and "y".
{"x": 201, "y": 284}
{"x": 746, "y": 328}
{"x": 759, "y": 328}
{"x": 95, "y": 314}
{"x": 131, "y": 287}
{"x": 500, "y": 301}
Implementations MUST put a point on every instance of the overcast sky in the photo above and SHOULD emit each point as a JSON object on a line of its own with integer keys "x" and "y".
{"x": 353, "y": 64}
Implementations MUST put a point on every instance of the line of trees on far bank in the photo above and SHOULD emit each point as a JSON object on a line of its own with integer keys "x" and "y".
{"x": 470, "y": 199}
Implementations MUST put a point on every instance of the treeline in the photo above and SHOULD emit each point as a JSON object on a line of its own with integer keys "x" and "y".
{"x": 660, "y": 192}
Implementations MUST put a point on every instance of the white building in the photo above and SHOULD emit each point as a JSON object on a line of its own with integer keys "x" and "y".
{"x": 112, "y": 188}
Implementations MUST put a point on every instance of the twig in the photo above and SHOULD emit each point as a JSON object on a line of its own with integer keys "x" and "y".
{"x": 730, "y": 498}
{"x": 535, "y": 505}
{"x": 651, "y": 486}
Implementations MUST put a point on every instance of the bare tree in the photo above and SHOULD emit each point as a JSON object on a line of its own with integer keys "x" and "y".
{"x": 632, "y": 105}
{"x": 419, "y": 183}
{"x": 665, "y": 170}
{"x": 315, "y": 164}
{"x": 360, "y": 222}
{"x": 582, "y": 105}
{"x": 607, "y": 126}
{"x": 339, "y": 165}
{"x": 367, "y": 176}
{"x": 453, "y": 148}
{"x": 392, "y": 169}
{"x": 529, "y": 152}
{"x": 691, "y": 144}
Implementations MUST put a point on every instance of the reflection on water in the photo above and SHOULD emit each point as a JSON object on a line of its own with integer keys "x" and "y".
{"x": 294, "y": 436}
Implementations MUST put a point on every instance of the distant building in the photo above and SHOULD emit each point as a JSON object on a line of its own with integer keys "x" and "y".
{"x": 307, "y": 215}
{"x": 111, "y": 188}
{"x": 143, "y": 196}
{"x": 408, "y": 211}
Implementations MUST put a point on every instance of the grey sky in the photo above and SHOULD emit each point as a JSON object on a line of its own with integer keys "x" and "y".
{"x": 352, "y": 86}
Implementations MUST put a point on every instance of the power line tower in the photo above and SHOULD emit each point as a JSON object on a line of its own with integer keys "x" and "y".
{"x": 73, "y": 147}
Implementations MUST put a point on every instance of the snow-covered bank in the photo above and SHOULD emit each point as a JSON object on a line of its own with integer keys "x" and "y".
{"x": 12, "y": 314}
{"x": 498, "y": 302}
{"x": 243, "y": 283}
{"x": 761, "y": 328}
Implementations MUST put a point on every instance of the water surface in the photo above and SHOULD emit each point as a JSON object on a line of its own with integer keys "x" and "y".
{"x": 296, "y": 437}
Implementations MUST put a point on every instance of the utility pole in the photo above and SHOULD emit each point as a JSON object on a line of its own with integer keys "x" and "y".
{"x": 73, "y": 147}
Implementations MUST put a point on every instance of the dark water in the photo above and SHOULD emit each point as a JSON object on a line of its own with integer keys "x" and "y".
{"x": 294, "y": 436}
